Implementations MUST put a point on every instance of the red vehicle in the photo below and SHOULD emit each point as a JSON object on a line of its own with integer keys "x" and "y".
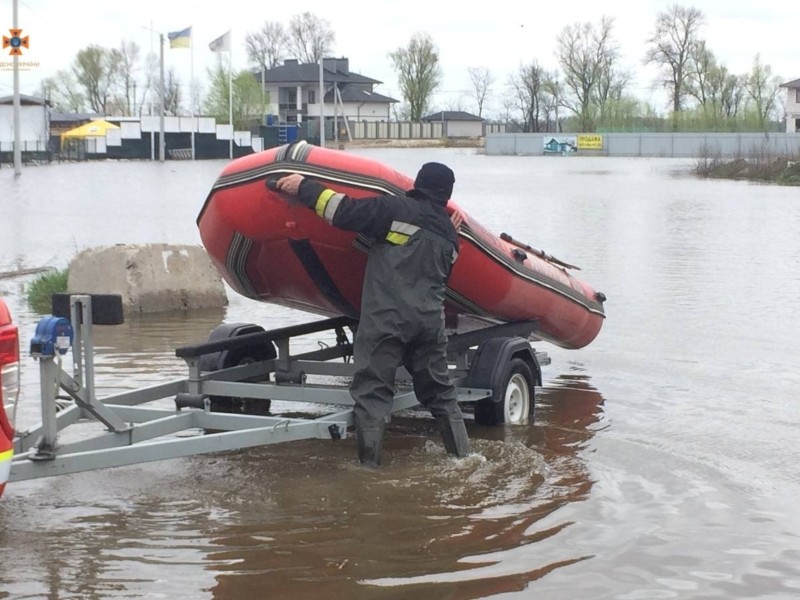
{"x": 9, "y": 388}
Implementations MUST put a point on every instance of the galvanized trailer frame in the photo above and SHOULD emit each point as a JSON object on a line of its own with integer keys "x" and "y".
{"x": 135, "y": 433}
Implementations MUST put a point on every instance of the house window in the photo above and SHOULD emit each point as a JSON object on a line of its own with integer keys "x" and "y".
{"x": 797, "y": 95}
{"x": 292, "y": 97}
{"x": 312, "y": 96}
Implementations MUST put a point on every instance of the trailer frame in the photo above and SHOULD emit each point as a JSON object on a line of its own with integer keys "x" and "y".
{"x": 135, "y": 433}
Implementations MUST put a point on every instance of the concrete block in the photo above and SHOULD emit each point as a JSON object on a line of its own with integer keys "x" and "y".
{"x": 149, "y": 277}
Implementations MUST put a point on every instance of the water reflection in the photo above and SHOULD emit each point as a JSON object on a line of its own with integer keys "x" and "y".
{"x": 689, "y": 494}
{"x": 313, "y": 520}
{"x": 304, "y": 517}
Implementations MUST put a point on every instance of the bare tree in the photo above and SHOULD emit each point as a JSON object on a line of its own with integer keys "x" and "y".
{"x": 482, "y": 80}
{"x": 528, "y": 87}
{"x": 128, "y": 58}
{"x": 310, "y": 37}
{"x": 172, "y": 93}
{"x": 95, "y": 69}
{"x": 762, "y": 89}
{"x": 267, "y": 47}
{"x": 715, "y": 89}
{"x": 612, "y": 81}
{"x": 151, "y": 91}
{"x": 732, "y": 94}
{"x": 64, "y": 92}
{"x": 672, "y": 47}
{"x": 588, "y": 59}
{"x": 457, "y": 104}
{"x": 418, "y": 72}
{"x": 552, "y": 93}
{"x": 702, "y": 77}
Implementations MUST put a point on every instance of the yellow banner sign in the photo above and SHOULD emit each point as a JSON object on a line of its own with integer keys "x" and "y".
{"x": 590, "y": 142}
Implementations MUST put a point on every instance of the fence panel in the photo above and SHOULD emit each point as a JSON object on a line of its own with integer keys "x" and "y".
{"x": 666, "y": 145}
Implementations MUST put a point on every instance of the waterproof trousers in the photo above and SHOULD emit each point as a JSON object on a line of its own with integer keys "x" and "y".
{"x": 425, "y": 358}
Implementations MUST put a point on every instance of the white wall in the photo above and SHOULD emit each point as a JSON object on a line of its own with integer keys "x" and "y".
{"x": 792, "y": 109}
{"x": 464, "y": 128}
{"x": 374, "y": 111}
{"x": 33, "y": 127}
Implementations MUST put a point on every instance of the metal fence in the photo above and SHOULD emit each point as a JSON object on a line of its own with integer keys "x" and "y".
{"x": 32, "y": 151}
{"x": 666, "y": 145}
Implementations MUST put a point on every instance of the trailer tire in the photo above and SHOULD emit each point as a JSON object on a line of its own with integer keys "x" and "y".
{"x": 515, "y": 397}
{"x": 233, "y": 358}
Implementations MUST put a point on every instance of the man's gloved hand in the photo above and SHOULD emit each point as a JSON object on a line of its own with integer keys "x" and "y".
{"x": 288, "y": 184}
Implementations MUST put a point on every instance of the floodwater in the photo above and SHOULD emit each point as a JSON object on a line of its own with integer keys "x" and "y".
{"x": 662, "y": 462}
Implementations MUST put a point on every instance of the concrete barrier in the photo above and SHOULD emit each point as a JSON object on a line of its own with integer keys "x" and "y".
{"x": 149, "y": 277}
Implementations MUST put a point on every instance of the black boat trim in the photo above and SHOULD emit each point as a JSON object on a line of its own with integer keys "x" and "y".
{"x": 311, "y": 262}
{"x": 236, "y": 263}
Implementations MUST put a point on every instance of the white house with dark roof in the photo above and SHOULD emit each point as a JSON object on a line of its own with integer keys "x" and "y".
{"x": 792, "y": 105}
{"x": 34, "y": 121}
{"x": 294, "y": 92}
{"x": 457, "y": 123}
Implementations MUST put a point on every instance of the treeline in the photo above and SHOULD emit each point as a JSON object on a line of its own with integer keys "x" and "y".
{"x": 592, "y": 86}
{"x": 589, "y": 91}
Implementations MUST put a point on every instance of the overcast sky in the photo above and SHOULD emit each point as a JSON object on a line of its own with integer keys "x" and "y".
{"x": 499, "y": 35}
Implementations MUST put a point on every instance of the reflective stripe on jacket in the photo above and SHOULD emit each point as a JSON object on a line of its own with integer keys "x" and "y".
{"x": 414, "y": 248}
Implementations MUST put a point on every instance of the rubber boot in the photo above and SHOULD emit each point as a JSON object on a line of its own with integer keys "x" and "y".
{"x": 369, "y": 443}
{"x": 454, "y": 434}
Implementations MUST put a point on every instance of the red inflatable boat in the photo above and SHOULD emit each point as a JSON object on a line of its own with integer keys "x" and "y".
{"x": 272, "y": 251}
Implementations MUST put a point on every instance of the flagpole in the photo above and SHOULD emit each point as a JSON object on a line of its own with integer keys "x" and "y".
{"x": 230, "y": 92}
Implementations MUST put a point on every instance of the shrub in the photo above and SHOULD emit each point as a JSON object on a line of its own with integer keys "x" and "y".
{"x": 41, "y": 290}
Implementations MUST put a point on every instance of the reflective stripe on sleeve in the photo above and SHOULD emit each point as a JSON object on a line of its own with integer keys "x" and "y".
{"x": 327, "y": 203}
{"x": 333, "y": 205}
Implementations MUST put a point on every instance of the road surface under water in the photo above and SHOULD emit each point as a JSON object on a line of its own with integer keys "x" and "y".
{"x": 661, "y": 462}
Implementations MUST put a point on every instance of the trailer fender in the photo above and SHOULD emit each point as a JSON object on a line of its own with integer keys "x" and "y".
{"x": 499, "y": 363}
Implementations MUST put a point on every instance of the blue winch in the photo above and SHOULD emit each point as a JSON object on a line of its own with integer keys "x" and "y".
{"x": 53, "y": 334}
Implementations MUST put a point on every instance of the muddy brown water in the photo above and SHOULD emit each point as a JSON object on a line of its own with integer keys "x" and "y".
{"x": 661, "y": 463}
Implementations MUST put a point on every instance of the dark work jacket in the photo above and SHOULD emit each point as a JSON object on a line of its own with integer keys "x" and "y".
{"x": 414, "y": 248}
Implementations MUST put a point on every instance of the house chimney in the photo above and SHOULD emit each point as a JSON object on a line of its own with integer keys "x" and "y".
{"x": 290, "y": 62}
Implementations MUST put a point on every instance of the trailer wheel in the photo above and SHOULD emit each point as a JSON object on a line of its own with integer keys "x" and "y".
{"x": 233, "y": 358}
{"x": 515, "y": 393}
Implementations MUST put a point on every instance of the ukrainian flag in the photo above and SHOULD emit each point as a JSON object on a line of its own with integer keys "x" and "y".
{"x": 180, "y": 39}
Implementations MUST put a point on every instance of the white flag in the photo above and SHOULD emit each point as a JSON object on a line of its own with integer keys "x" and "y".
{"x": 222, "y": 43}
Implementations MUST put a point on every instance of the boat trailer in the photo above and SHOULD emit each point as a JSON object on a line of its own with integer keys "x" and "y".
{"x": 241, "y": 370}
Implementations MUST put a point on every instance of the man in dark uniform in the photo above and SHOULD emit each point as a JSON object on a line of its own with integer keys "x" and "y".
{"x": 402, "y": 303}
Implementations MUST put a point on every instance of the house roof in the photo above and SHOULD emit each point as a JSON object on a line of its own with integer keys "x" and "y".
{"x": 25, "y": 100}
{"x": 452, "y": 115}
{"x": 333, "y": 70}
{"x": 791, "y": 84}
{"x": 60, "y": 117}
{"x": 359, "y": 94}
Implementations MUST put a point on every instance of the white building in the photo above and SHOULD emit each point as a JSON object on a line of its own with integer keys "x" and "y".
{"x": 457, "y": 123}
{"x": 792, "y": 105}
{"x": 34, "y": 120}
{"x": 294, "y": 93}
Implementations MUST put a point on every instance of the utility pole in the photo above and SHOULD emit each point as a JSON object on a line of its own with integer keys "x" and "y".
{"x": 162, "y": 94}
{"x": 321, "y": 105}
{"x": 161, "y": 145}
{"x": 17, "y": 132}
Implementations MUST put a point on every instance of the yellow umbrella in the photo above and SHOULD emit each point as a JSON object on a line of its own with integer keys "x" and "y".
{"x": 91, "y": 129}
